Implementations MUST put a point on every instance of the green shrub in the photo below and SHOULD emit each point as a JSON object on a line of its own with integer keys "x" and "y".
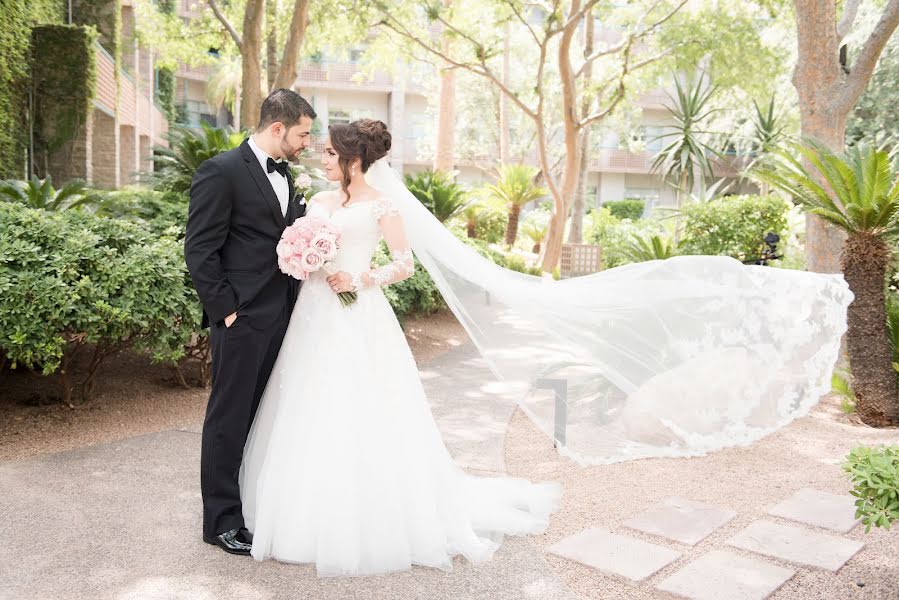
{"x": 874, "y": 473}
{"x": 733, "y": 225}
{"x": 73, "y": 281}
{"x": 418, "y": 294}
{"x": 615, "y": 236}
{"x": 629, "y": 208}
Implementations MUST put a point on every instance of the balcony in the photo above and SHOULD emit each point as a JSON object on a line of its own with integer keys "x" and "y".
{"x": 134, "y": 107}
{"x": 341, "y": 76}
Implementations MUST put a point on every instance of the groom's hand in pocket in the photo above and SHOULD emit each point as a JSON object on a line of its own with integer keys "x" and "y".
{"x": 229, "y": 320}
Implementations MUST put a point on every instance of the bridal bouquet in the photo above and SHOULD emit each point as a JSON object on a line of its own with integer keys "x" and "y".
{"x": 306, "y": 247}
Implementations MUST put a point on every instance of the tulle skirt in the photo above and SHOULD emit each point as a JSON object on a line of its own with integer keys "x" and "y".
{"x": 344, "y": 466}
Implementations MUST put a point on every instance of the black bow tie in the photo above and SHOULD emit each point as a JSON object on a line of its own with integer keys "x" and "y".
{"x": 281, "y": 167}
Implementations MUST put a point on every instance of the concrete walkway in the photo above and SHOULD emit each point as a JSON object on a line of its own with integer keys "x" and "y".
{"x": 121, "y": 521}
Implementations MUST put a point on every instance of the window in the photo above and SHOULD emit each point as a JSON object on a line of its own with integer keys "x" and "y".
{"x": 652, "y": 138}
{"x": 356, "y": 55}
{"x": 650, "y": 197}
{"x": 338, "y": 116}
{"x": 415, "y": 127}
{"x": 194, "y": 112}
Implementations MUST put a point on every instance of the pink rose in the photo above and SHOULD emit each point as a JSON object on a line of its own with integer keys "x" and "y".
{"x": 326, "y": 244}
{"x": 291, "y": 234}
{"x": 303, "y": 181}
{"x": 311, "y": 260}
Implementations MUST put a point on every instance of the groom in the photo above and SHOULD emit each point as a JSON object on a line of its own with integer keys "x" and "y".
{"x": 240, "y": 202}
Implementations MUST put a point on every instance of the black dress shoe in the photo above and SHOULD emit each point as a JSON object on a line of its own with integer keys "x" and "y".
{"x": 236, "y": 541}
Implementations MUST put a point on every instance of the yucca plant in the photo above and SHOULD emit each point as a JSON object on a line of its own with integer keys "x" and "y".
{"x": 438, "y": 192}
{"x": 768, "y": 132}
{"x": 515, "y": 186}
{"x": 642, "y": 249}
{"x": 188, "y": 148}
{"x": 859, "y": 194}
{"x": 40, "y": 193}
{"x": 686, "y": 157}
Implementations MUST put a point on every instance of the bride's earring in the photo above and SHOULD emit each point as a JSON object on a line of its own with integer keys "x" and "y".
{"x": 353, "y": 171}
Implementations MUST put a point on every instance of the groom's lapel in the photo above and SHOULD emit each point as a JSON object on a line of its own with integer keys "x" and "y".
{"x": 262, "y": 182}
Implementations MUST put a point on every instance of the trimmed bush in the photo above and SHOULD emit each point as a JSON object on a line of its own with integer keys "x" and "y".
{"x": 629, "y": 208}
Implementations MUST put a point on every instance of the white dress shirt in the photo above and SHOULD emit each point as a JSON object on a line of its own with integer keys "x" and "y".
{"x": 278, "y": 181}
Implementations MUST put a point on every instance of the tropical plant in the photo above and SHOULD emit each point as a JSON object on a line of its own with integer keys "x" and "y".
{"x": 629, "y": 208}
{"x": 38, "y": 193}
{"x": 188, "y": 149}
{"x": 535, "y": 227}
{"x": 643, "y": 248}
{"x": 438, "y": 192}
{"x": 864, "y": 202}
{"x": 515, "y": 186}
{"x": 474, "y": 213}
{"x": 223, "y": 86}
{"x": 874, "y": 473}
{"x": 768, "y": 132}
{"x": 686, "y": 157}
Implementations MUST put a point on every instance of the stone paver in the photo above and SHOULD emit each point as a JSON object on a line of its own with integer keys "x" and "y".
{"x": 796, "y": 545}
{"x": 613, "y": 554}
{"x": 822, "y": 509}
{"x": 681, "y": 520}
{"x": 720, "y": 574}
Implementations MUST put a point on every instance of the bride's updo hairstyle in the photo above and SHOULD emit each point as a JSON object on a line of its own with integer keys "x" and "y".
{"x": 365, "y": 139}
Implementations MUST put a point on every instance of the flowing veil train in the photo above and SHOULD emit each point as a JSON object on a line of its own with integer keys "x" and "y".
{"x": 663, "y": 358}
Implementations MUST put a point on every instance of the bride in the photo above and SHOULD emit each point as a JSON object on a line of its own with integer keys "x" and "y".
{"x": 344, "y": 466}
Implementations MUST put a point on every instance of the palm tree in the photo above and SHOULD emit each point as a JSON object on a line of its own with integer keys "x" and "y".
{"x": 438, "y": 192}
{"x": 188, "y": 148}
{"x": 38, "y": 193}
{"x": 536, "y": 230}
{"x": 223, "y": 87}
{"x": 642, "y": 249}
{"x": 515, "y": 186}
{"x": 473, "y": 213}
{"x": 687, "y": 156}
{"x": 864, "y": 202}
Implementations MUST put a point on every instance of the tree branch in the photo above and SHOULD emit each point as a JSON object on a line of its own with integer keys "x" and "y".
{"x": 863, "y": 67}
{"x": 397, "y": 27}
{"x": 848, "y": 20}
{"x": 226, "y": 23}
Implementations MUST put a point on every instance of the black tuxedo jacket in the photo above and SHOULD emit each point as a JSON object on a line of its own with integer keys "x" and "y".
{"x": 234, "y": 223}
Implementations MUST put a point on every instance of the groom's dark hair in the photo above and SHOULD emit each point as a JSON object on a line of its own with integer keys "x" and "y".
{"x": 284, "y": 106}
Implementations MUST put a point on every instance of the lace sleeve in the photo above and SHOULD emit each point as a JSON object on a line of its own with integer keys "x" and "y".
{"x": 402, "y": 266}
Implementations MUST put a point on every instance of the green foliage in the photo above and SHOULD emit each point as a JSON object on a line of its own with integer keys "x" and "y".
{"x": 874, "y": 473}
{"x": 72, "y": 280}
{"x": 614, "y": 235}
{"x": 768, "y": 127}
{"x": 841, "y": 385}
{"x": 876, "y": 114}
{"x": 515, "y": 185}
{"x": 629, "y": 208}
{"x": 641, "y": 249}
{"x": 165, "y": 92}
{"x": 733, "y": 225}
{"x": 865, "y": 192}
{"x": 188, "y": 149}
{"x": 438, "y": 192}
{"x": 41, "y": 194}
{"x": 535, "y": 227}
{"x": 62, "y": 96}
{"x": 417, "y": 294}
{"x": 686, "y": 157}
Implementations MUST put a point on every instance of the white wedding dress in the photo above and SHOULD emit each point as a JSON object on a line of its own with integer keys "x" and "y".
{"x": 344, "y": 466}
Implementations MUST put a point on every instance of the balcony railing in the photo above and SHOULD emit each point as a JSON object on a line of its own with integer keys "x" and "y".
{"x": 346, "y": 74}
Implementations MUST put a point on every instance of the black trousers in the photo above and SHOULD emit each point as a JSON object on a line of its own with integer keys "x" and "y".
{"x": 242, "y": 360}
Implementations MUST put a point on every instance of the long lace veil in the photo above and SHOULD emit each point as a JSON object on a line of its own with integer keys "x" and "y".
{"x": 661, "y": 358}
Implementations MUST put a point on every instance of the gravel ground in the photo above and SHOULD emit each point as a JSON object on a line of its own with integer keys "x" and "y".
{"x": 807, "y": 453}
{"x": 135, "y": 397}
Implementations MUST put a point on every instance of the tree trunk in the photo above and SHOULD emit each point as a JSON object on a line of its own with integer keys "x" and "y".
{"x": 504, "y": 141}
{"x": 579, "y": 209}
{"x": 271, "y": 43}
{"x": 287, "y": 73}
{"x": 827, "y": 94}
{"x": 512, "y": 225}
{"x": 576, "y": 233}
{"x": 873, "y": 379}
{"x": 446, "y": 113}
{"x": 472, "y": 228}
{"x": 251, "y": 75}
{"x": 571, "y": 169}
